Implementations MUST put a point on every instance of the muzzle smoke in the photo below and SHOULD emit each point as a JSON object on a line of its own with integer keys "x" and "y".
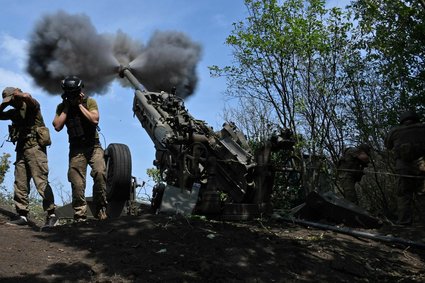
{"x": 63, "y": 44}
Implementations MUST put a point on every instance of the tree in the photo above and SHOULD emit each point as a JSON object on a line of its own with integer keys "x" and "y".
{"x": 334, "y": 80}
{"x": 289, "y": 56}
{"x": 391, "y": 35}
{"x": 387, "y": 76}
{"x": 290, "y": 60}
{"x": 254, "y": 118}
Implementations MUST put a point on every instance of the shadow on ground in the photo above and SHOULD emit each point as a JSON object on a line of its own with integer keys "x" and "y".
{"x": 159, "y": 248}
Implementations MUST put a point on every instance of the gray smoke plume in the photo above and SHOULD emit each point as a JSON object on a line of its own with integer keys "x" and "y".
{"x": 64, "y": 44}
{"x": 124, "y": 48}
{"x": 169, "y": 60}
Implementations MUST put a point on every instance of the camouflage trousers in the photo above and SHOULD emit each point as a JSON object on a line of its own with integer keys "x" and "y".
{"x": 407, "y": 187}
{"x": 348, "y": 185}
{"x": 79, "y": 159}
{"x": 32, "y": 163}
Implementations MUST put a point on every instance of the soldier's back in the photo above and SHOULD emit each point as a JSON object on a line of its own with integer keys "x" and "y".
{"x": 414, "y": 133}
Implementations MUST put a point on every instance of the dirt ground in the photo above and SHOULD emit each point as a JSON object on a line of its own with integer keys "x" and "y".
{"x": 160, "y": 248}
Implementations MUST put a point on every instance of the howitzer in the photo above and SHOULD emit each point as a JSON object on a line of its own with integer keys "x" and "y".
{"x": 189, "y": 152}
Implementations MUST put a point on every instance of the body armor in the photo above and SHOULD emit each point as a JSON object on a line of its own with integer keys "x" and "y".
{"x": 80, "y": 130}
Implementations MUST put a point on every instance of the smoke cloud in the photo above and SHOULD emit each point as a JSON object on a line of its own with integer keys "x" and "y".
{"x": 169, "y": 60}
{"x": 63, "y": 44}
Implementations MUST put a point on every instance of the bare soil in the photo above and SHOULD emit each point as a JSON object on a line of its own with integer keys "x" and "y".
{"x": 161, "y": 248}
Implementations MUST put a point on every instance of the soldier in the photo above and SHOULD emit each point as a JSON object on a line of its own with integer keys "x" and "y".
{"x": 350, "y": 170}
{"x": 81, "y": 116}
{"x": 407, "y": 141}
{"x": 31, "y": 136}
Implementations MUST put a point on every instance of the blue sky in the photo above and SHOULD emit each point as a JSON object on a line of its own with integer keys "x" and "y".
{"x": 205, "y": 22}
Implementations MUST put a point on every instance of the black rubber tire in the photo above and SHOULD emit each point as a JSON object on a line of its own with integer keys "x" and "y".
{"x": 118, "y": 172}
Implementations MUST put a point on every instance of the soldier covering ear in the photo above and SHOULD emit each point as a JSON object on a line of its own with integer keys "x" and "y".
{"x": 80, "y": 115}
{"x": 31, "y": 154}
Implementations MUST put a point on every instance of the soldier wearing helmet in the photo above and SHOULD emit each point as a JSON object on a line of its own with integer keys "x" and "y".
{"x": 31, "y": 154}
{"x": 351, "y": 170}
{"x": 407, "y": 141}
{"x": 80, "y": 115}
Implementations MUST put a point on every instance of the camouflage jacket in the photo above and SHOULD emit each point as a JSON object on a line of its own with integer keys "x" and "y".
{"x": 24, "y": 122}
{"x": 407, "y": 142}
{"x": 350, "y": 166}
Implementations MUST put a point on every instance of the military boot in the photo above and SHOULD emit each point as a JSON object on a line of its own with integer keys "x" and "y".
{"x": 101, "y": 214}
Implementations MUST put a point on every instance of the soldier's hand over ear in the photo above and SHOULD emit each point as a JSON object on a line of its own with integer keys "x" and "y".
{"x": 81, "y": 98}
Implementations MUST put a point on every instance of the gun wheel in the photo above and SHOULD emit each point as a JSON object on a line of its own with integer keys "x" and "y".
{"x": 118, "y": 172}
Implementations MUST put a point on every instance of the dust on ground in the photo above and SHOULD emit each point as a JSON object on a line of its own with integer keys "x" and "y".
{"x": 161, "y": 248}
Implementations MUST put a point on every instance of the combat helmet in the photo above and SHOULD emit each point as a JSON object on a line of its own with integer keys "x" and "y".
{"x": 365, "y": 148}
{"x": 409, "y": 115}
{"x": 72, "y": 84}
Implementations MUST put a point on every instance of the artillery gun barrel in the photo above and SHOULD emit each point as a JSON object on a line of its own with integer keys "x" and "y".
{"x": 150, "y": 118}
{"x": 125, "y": 72}
{"x": 190, "y": 151}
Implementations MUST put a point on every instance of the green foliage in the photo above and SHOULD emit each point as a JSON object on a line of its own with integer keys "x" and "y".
{"x": 334, "y": 80}
{"x": 155, "y": 174}
{"x": 36, "y": 205}
{"x": 288, "y": 191}
{"x": 5, "y": 196}
{"x": 4, "y": 166}
{"x": 392, "y": 37}
{"x": 290, "y": 58}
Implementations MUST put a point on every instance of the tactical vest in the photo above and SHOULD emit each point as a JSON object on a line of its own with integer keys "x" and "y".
{"x": 81, "y": 132}
{"x": 23, "y": 128}
{"x": 350, "y": 165}
{"x": 409, "y": 141}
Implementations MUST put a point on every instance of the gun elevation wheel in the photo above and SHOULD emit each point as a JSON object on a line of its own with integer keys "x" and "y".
{"x": 195, "y": 156}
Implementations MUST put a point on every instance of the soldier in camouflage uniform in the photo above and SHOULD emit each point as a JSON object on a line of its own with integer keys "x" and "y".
{"x": 350, "y": 170}
{"x": 31, "y": 156}
{"x": 407, "y": 141}
{"x": 81, "y": 117}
